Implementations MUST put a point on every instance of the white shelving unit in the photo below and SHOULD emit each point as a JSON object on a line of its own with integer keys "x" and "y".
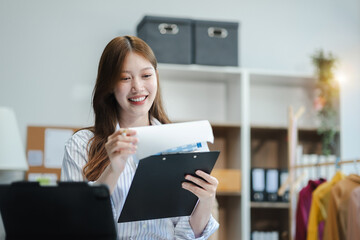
{"x": 235, "y": 97}
{"x": 267, "y": 91}
{"x": 196, "y": 92}
{"x": 272, "y": 92}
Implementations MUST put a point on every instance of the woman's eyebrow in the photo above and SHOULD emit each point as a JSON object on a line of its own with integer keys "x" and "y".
{"x": 146, "y": 68}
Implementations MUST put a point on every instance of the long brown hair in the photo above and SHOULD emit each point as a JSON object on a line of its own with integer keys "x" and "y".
{"x": 106, "y": 107}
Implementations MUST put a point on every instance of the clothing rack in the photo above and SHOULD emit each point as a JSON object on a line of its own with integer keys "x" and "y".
{"x": 291, "y": 181}
{"x": 283, "y": 187}
{"x": 292, "y": 144}
{"x": 326, "y": 164}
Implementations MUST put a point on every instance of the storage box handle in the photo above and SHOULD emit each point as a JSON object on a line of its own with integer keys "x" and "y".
{"x": 167, "y": 28}
{"x": 217, "y": 32}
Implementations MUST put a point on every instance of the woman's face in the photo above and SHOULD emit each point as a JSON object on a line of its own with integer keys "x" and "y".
{"x": 136, "y": 88}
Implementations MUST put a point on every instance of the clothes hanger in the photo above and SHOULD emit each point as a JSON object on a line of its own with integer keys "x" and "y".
{"x": 356, "y": 164}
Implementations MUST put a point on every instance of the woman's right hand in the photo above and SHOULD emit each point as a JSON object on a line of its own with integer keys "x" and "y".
{"x": 119, "y": 146}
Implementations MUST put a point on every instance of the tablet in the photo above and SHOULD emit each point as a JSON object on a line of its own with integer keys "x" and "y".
{"x": 70, "y": 210}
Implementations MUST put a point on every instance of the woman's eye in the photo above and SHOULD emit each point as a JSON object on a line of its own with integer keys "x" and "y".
{"x": 147, "y": 75}
{"x": 124, "y": 78}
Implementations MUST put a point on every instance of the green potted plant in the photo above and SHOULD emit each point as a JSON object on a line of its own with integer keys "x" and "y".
{"x": 326, "y": 99}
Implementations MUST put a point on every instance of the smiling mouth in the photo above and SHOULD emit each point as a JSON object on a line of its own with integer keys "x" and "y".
{"x": 138, "y": 99}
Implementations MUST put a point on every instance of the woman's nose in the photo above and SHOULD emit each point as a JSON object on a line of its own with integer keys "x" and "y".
{"x": 136, "y": 85}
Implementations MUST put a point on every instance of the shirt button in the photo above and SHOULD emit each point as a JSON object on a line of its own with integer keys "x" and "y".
{"x": 144, "y": 225}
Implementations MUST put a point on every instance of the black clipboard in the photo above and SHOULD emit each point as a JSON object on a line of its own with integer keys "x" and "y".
{"x": 156, "y": 191}
{"x": 70, "y": 210}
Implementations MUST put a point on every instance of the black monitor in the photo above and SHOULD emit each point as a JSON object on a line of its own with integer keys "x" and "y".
{"x": 70, "y": 210}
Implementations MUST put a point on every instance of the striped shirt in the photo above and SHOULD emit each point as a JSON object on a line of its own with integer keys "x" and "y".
{"x": 76, "y": 156}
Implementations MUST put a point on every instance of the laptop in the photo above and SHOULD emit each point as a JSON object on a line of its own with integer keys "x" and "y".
{"x": 70, "y": 210}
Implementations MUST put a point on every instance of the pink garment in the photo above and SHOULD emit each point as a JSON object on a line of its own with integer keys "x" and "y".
{"x": 303, "y": 209}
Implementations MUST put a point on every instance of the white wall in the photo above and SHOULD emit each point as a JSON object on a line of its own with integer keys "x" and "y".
{"x": 49, "y": 50}
{"x": 350, "y": 119}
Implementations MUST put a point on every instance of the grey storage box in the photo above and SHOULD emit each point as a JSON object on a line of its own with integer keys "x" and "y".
{"x": 169, "y": 38}
{"x": 216, "y": 43}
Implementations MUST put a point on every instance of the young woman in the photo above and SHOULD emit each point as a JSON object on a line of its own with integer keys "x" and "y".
{"x": 127, "y": 94}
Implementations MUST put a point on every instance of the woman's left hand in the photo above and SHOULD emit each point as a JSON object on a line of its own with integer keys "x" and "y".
{"x": 207, "y": 189}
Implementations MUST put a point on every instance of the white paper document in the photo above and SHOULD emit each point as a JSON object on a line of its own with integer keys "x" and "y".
{"x": 160, "y": 138}
{"x": 35, "y": 158}
{"x": 54, "y": 146}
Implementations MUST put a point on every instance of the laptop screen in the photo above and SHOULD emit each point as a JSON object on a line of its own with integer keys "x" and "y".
{"x": 70, "y": 210}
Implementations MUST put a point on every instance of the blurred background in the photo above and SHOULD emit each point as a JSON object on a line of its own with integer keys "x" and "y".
{"x": 50, "y": 50}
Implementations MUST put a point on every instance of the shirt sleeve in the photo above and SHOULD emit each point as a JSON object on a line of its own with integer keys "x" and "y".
{"x": 75, "y": 157}
{"x": 184, "y": 231}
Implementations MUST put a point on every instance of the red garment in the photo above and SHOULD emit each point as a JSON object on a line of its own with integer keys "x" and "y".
{"x": 303, "y": 208}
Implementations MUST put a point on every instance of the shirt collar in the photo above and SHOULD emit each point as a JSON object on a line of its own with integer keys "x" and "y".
{"x": 153, "y": 121}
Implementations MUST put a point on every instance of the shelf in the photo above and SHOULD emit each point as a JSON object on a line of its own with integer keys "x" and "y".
{"x": 326, "y": 164}
{"x": 217, "y": 73}
{"x": 198, "y": 73}
{"x": 213, "y": 124}
{"x": 277, "y": 128}
{"x": 268, "y": 77}
{"x": 199, "y": 68}
{"x": 201, "y": 92}
{"x": 269, "y": 204}
{"x": 225, "y": 125}
{"x": 229, "y": 180}
{"x": 221, "y": 194}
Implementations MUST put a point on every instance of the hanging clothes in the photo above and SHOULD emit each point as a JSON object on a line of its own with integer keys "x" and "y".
{"x": 319, "y": 204}
{"x": 303, "y": 208}
{"x": 353, "y": 227}
{"x": 336, "y": 222}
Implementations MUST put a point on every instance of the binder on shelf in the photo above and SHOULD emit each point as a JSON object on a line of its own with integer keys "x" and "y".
{"x": 156, "y": 191}
{"x": 272, "y": 185}
{"x": 283, "y": 175}
{"x": 257, "y": 184}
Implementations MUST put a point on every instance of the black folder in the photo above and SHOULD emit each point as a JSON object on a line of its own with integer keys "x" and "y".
{"x": 258, "y": 184}
{"x": 283, "y": 175}
{"x": 272, "y": 184}
{"x": 156, "y": 191}
{"x": 71, "y": 210}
